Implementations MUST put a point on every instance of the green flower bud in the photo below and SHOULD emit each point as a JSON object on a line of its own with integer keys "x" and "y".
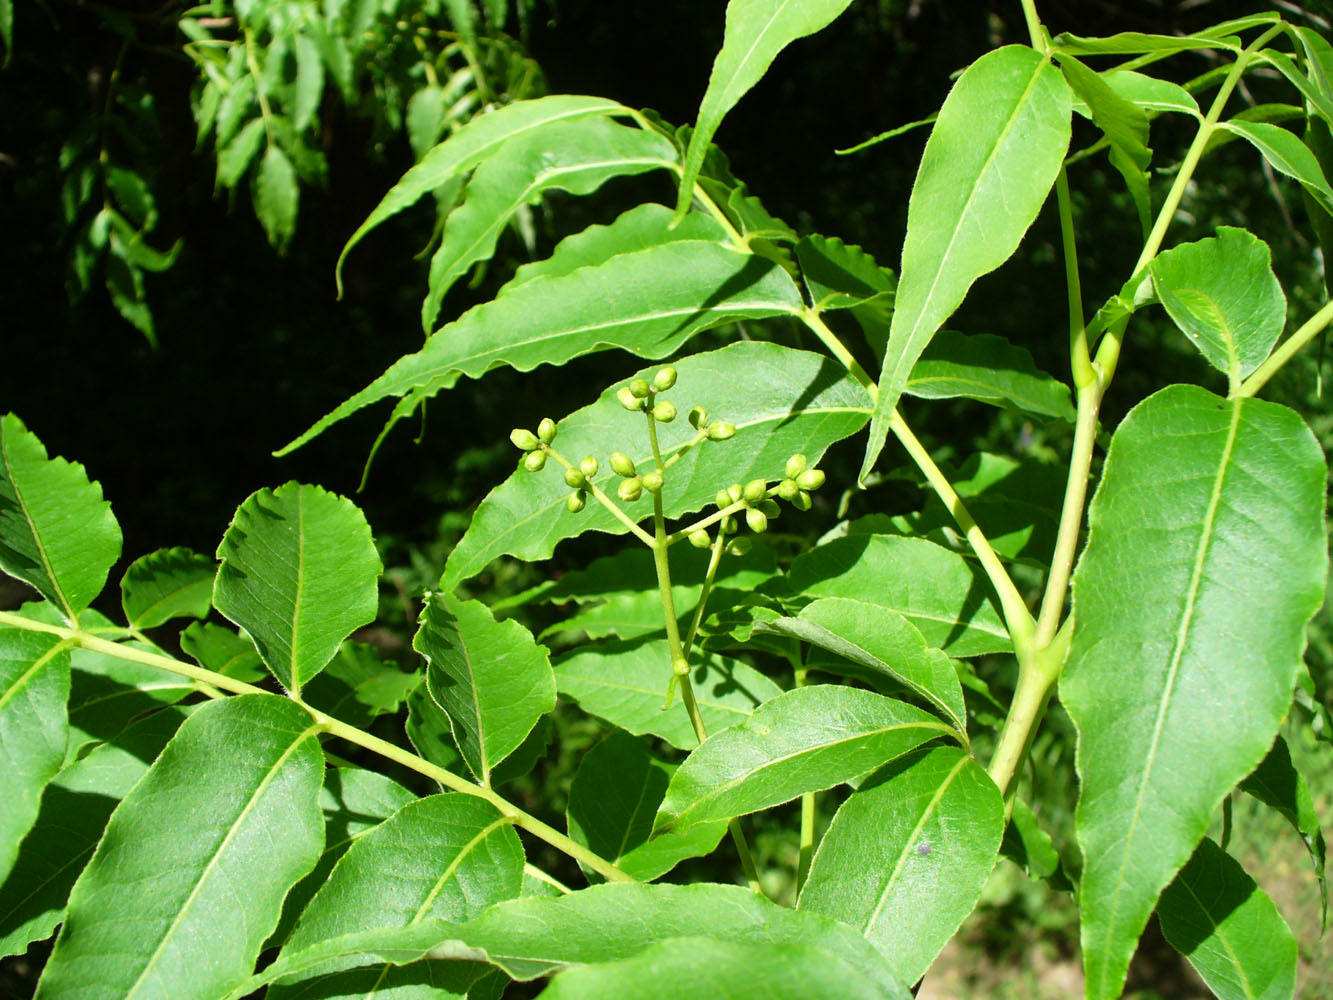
{"x": 652, "y": 481}
{"x": 728, "y": 525}
{"x": 787, "y": 489}
{"x": 589, "y": 466}
{"x": 755, "y": 490}
{"x": 810, "y": 479}
{"x": 700, "y": 538}
{"x": 770, "y": 508}
{"x": 622, "y": 464}
{"x": 575, "y": 479}
{"x": 698, "y": 417}
{"x": 802, "y": 501}
{"x": 628, "y": 400}
{"x": 740, "y": 546}
{"x": 546, "y": 430}
{"x": 630, "y": 489}
{"x": 575, "y": 502}
{"x": 640, "y": 388}
{"x": 720, "y": 430}
{"x": 680, "y": 667}
{"x": 664, "y": 412}
{"x": 734, "y": 492}
{"x": 757, "y": 520}
{"x": 524, "y": 440}
{"x": 723, "y": 499}
{"x": 534, "y": 461}
{"x": 664, "y": 379}
{"x": 795, "y": 466}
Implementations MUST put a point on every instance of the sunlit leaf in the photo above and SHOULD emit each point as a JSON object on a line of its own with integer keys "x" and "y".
{"x": 166, "y": 584}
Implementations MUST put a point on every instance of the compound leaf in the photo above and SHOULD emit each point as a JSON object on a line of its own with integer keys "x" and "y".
{"x": 804, "y": 740}
{"x": 173, "y": 902}
{"x": 907, "y": 855}
{"x": 166, "y": 584}
{"x": 1286, "y": 154}
{"x": 1186, "y": 607}
{"x": 792, "y": 401}
{"x": 491, "y": 679}
{"x": 996, "y": 148}
{"x": 299, "y": 573}
{"x": 56, "y": 532}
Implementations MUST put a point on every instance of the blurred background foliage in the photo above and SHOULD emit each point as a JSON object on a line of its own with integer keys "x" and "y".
{"x": 177, "y": 181}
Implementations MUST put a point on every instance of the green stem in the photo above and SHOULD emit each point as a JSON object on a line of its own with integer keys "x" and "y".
{"x": 1016, "y": 613}
{"x": 806, "y": 851}
{"x": 1310, "y": 329}
{"x": 1035, "y": 32}
{"x": 604, "y": 500}
{"x": 1079, "y": 359}
{"x": 714, "y": 559}
{"x": 1038, "y": 670}
{"x": 1071, "y": 514}
{"x": 811, "y": 318}
{"x": 337, "y": 728}
{"x": 253, "y": 64}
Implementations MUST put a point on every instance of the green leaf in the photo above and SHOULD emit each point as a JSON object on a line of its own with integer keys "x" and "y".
{"x": 793, "y": 401}
{"x": 1223, "y": 295}
{"x": 884, "y": 643}
{"x": 1286, "y": 154}
{"x": 239, "y": 153}
{"x": 451, "y": 857}
{"x": 577, "y": 157}
{"x": 1194, "y": 602}
{"x": 426, "y": 119}
{"x": 625, "y": 683}
{"x": 309, "y": 86}
{"x": 1277, "y": 784}
{"x": 907, "y": 855}
{"x": 491, "y": 679}
{"x": 180, "y": 909}
{"x": 357, "y": 686}
{"x": 276, "y": 197}
{"x": 536, "y": 936}
{"x": 640, "y": 228}
{"x": 7, "y": 28}
{"x": 1230, "y": 931}
{"x": 75, "y": 808}
{"x": 429, "y": 731}
{"x": 57, "y": 534}
{"x": 938, "y": 591}
{"x": 756, "y": 31}
{"x": 299, "y": 572}
{"x": 1137, "y": 43}
{"x": 612, "y": 802}
{"x": 472, "y": 144}
{"x": 222, "y": 650}
{"x": 996, "y": 148}
{"x": 353, "y": 801}
{"x": 990, "y": 369}
{"x": 647, "y": 302}
{"x": 804, "y": 740}
{"x": 124, "y": 283}
{"x": 166, "y": 584}
{"x": 1320, "y": 102}
{"x": 34, "y": 726}
{"x": 691, "y": 967}
{"x": 1125, "y": 126}
{"x": 132, "y": 195}
{"x": 1151, "y": 93}
{"x": 839, "y": 276}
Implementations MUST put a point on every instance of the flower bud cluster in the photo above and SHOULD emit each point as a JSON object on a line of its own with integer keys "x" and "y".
{"x": 756, "y": 497}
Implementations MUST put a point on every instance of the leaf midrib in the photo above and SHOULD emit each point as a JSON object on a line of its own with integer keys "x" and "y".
{"x": 1177, "y": 653}
{"x": 70, "y": 616}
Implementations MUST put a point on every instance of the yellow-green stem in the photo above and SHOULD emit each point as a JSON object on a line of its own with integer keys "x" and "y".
{"x": 337, "y": 728}
{"x": 1310, "y": 329}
